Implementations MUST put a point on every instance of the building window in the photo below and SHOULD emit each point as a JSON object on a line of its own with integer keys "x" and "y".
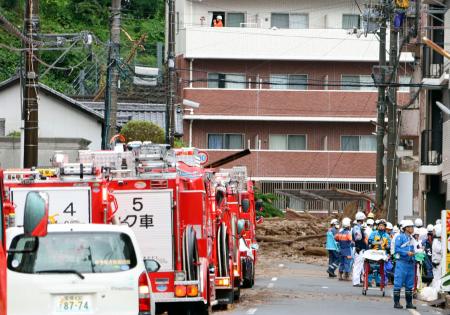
{"x": 287, "y": 142}
{"x": 226, "y": 81}
{"x": 299, "y": 21}
{"x": 235, "y": 20}
{"x": 288, "y": 81}
{"x": 2, "y": 127}
{"x": 357, "y": 82}
{"x": 221, "y": 141}
{"x": 358, "y": 143}
{"x": 404, "y": 79}
{"x": 286, "y": 20}
{"x": 350, "y": 21}
{"x": 279, "y": 20}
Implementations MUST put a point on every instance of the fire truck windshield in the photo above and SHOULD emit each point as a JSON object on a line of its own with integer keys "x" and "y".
{"x": 81, "y": 252}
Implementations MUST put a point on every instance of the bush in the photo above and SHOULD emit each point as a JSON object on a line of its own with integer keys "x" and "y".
{"x": 269, "y": 210}
{"x": 138, "y": 130}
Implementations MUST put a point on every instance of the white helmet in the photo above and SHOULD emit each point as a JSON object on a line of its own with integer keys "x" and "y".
{"x": 360, "y": 216}
{"x": 370, "y": 222}
{"x": 377, "y": 221}
{"x": 389, "y": 226}
{"x": 406, "y": 223}
{"x": 438, "y": 221}
{"x": 334, "y": 222}
{"x": 438, "y": 230}
{"x": 418, "y": 223}
{"x": 430, "y": 228}
{"x": 337, "y": 226}
{"x": 219, "y": 17}
{"x": 416, "y": 231}
{"x": 396, "y": 229}
{"x": 346, "y": 222}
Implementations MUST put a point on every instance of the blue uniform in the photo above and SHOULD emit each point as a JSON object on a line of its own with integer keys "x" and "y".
{"x": 379, "y": 240}
{"x": 333, "y": 251}
{"x": 344, "y": 239}
{"x": 405, "y": 266}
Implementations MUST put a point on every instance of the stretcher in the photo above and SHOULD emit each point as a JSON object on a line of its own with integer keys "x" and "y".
{"x": 371, "y": 258}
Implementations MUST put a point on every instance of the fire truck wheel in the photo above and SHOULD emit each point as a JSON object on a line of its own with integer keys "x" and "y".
{"x": 223, "y": 251}
{"x": 190, "y": 254}
{"x": 237, "y": 292}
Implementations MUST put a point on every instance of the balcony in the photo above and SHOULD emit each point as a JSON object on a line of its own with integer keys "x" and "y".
{"x": 276, "y": 44}
{"x": 435, "y": 74}
{"x": 289, "y": 105}
{"x": 357, "y": 166}
{"x": 431, "y": 152}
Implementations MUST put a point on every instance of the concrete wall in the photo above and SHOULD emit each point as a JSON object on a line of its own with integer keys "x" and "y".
{"x": 56, "y": 119}
{"x": 322, "y": 13}
{"x": 10, "y": 150}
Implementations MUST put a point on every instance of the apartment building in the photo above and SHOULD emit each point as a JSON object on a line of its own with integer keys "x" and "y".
{"x": 290, "y": 80}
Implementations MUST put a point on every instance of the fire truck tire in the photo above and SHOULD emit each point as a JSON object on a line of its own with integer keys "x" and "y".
{"x": 223, "y": 251}
{"x": 190, "y": 254}
{"x": 249, "y": 275}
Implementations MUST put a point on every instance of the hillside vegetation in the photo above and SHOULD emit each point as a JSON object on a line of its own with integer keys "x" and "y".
{"x": 72, "y": 16}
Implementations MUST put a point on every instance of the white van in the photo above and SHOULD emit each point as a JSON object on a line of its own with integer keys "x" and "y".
{"x": 77, "y": 269}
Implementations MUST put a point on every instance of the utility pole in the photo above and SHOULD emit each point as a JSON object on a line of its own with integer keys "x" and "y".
{"x": 391, "y": 198}
{"x": 381, "y": 110}
{"x": 112, "y": 81}
{"x": 31, "y": 85}
{"x": 171, "y": 77}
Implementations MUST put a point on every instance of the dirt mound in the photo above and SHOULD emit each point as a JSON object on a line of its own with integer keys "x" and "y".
{"x": 296, "y": 237}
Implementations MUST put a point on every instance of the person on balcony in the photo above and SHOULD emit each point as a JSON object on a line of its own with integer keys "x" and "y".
{"x": 217, "y": 22}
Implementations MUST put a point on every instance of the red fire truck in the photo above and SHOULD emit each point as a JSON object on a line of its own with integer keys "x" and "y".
{"x": 2, "y": 250}
{"x": 184, "y": 217}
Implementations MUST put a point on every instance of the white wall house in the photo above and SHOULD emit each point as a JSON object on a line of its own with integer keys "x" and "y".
{"x": 59, "y": 115}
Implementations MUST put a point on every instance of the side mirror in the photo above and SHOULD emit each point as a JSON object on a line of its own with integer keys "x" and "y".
{"x": 259, "y": 205}
{"x": 245, "y": 203}
{"x": 240, "y": 226}
{"x": 35, "y": 219}
{"x": 151, "y": 265}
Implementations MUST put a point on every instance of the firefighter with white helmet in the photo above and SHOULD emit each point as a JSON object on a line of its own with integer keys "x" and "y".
{"x": 389, "y": 228}
{"x": 360, "y": 246}
{"x": 436, "y": 257}
{"x": 345, "y": 241}
{"x": 405, "y": 265}
{"x": 422, "y": 230}
{"x": 332, "y": 248}
{"x": 369, "y": 227}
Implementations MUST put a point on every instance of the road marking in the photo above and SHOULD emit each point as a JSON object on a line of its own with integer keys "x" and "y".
{"x": 251, "y": 311}
{"x": 270, "y": 285}
{"x": 413, "y": 312}
{"x": 324, "y": 287}
{"x": 274, "y": 279}
{"x": 281, "y": 265}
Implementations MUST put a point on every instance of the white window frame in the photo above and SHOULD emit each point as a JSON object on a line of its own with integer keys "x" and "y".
{"x": 223, "y": 136}
{"x": 359, "y": 142}
{"x": 288, "y": 78}
{"x": 287, "y": 140}
{"x": 227, "y": 73}
{"x": 351, "y": 14}
{"x": 241, "y": 12}
{"x": 357, "y": 88}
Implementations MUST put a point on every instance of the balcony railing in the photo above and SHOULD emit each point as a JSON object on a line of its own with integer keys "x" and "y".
{"x": 432, "y": 66}
{"x": 431, "y": 150}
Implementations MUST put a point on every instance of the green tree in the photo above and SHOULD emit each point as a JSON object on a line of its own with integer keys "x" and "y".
{"x": 269, "y": 210}
{"x": 139, "y": 130}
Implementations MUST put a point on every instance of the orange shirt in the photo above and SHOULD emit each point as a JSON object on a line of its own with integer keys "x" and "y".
{"x": 217, "y": 23}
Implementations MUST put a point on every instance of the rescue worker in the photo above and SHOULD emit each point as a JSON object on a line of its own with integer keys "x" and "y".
{"x": 217, "y": 22}
{"x": 360, "y": 240}
{"x": 344, "y": 239}
{"x": 416, "y": 241}
{"x": 332, "y": 248}
{"x": 379, "y": 240}
{"x": 437, "y": 257}
{"x": 371, "y": 216}
{"x": 389, "y": 228}
{"x": 405, "y": 266}
{"x": 427, "y": 266}
{"x": 369, "y": 228}
{"x": 422, "y": 230}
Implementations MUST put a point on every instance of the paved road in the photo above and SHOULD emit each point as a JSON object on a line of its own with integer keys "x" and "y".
{"x": 304, "y": 289}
